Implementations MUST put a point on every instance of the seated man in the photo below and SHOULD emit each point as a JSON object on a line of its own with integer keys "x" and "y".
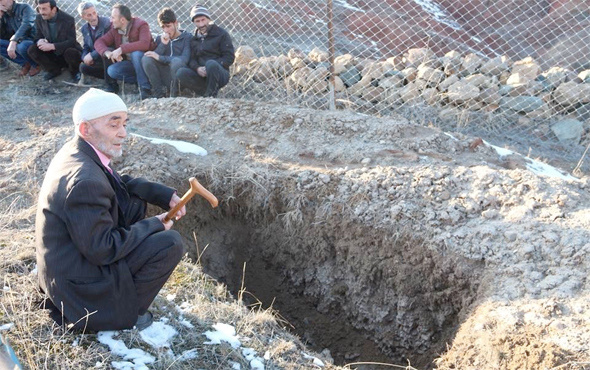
{"x": 100, "y": 261}
{"x": 94, "y": 28}
{"x": 55, "y": 42}
{"x": 212, "y": 52}
{"x": 172, "y": 52}
{"x": 17, "y": 30}
{"x": 122, "y": 49}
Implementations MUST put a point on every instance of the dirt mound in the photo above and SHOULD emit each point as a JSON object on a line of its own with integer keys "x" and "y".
{"x": 373, "y": 237}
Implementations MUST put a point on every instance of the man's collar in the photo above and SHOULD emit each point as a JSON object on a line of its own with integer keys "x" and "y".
{"x": 121, "y": 32}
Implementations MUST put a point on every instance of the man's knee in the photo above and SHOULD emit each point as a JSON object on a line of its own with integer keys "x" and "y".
{"x": 175, "y": 249}
{"x": 147, "y": 62}
{"x": 213, "y": 65}
{"x": 22, "y": 48}
{"x": 137, "y": 56}
{"x": 33, "y": 50}
{"x": 176, "y": 64}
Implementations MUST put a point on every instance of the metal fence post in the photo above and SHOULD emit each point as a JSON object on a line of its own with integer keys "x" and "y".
{"x": 331, "y": 52}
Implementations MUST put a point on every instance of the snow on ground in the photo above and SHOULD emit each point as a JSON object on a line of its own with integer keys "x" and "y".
{"x": 181, "y": 146}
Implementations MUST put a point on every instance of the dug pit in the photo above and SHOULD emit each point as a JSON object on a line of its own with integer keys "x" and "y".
{"x": 366, "y": 294}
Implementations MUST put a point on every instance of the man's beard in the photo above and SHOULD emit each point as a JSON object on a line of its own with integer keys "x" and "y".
{"x": 112, "y": 153}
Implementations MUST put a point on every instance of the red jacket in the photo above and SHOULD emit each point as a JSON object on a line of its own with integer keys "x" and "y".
{"x": 140, "y": 39}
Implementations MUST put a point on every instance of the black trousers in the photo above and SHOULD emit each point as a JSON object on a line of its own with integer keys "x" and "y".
{"x": 154, "y": 260}
{"x": 53, "y": 63}
{"x": 95, "y": 70}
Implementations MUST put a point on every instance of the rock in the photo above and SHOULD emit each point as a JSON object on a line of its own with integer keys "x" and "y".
{"x": 366, "y": 160}
{"x": 571, "y": 93}
{"x": 343, "y": 62}
{"x": 504, "y": 76}
{"x": 410, "y": 74}
{"x": 373, "y": 94}
{"x": 443, "y": 86}
{"x": 297, "y": 63}
{"x": 568, "y": 130}
{"x": 244, "y": 54}
{"x": 338, "y": 84}
{"x": 410, "y": 93}
{"x": 397, "y": 62}
{"x": 351, "y": 76}
{"x": 325, "y": 178}
{"x": 432, "y": 76}
{"x": 554, "y": 77}
{"x": 414, "y": 57}
{"x": 261, "y": 70}
{"x": 317, "y": 55}
{"x": 431, "y": 96}
{"x": 296, "y": 54}
{"x": 526, "y": 70}
{"x": 471, "y": 63}
{"x": 505, "y": 90}
{"x": 494, "y": 67}
{"x": 584, "y": 76}
{"x": 478, "y": 80}
{"x": 299, "y": 77}
{"x": 373, "y": 70}
{"x": 462, "y": 91}
{"x": 392, "y": 96}
{"x": 391, "y": 82}
{"x": 544, "y": 111}
{"x": 490, "y": 96}
{"x": 453, "y": 54}
{"x": 316, "y": 80}
{"x": 521, "y": 103}
{"x": 449, "y": 114}
{"x": 282, "y": 66}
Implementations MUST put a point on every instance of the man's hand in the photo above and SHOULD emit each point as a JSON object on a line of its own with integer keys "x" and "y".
{"x": 174, "y": 201}
{"x": 88, "y": 59}
{"x": 165, "y": 38}
{"x": 116, "y": 55}
{"x": 11, "y": 49}
{"x": 45, "y": 45}
{"x": 202, "y": 71}
{"x": 167, "y": 225}
{"x": 152, "y": 54}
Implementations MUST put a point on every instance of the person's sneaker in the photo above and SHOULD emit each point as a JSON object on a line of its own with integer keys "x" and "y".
{"x": 143, "y": 321}
{"x": 145, "y": 93}
{"x": 24, "y": 70}
{"x": 76, "y": 77}
{"x": 112, "y": 88}
{"x": 49, "y": 75}
{"x": 34, "y": 71}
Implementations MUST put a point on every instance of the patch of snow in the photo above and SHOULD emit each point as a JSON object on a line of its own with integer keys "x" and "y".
{"x": 158, "y": 334}
{"x": 346, "y": 5}
{"x": 136, "y": 358}
{"x": 255, "y": 361}
{"x": 316, "y": 361}
{"x": 181, "y": 146}
{"x": 223, "y": 332}
{"x": 188, "y": 355}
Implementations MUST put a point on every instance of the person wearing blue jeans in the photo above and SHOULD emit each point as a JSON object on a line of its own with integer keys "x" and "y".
{"x": 17, "y": 29}
{"x": 212, "y": 53}
{"x": 122, "y": 49}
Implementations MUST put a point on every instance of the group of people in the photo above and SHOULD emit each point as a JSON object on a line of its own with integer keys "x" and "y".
{"x": 117, "y": 49}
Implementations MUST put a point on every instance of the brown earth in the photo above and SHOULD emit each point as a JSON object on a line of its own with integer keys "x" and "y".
{"x": 374, "y": 238}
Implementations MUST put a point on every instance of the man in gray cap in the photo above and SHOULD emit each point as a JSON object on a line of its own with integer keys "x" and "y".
{"x": 100, "y": 261}
{"x": 212, "y": 53}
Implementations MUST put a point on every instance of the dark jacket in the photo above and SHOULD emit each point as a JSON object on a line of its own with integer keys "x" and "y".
{"x": 215, "y": 45}
{"x": 140, "y": 39}
{"x": 180, "y": 47}
{"x": 66, "y": 32}
{"x": 104, "y": 25}
{"x": 82, "y": 238}
{"x": 19, "y": 24}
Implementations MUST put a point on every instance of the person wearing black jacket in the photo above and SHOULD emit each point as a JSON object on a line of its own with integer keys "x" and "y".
{"x": 17, "y": 30}
{"x": 212, "y": 53}
{"x": 55, "y": 44}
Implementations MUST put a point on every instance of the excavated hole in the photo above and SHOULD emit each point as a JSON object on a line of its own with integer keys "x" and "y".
{"x": 365, "y": 293}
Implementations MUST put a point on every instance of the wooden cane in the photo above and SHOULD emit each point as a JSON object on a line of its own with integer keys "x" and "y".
{"x": 196, "y": 188}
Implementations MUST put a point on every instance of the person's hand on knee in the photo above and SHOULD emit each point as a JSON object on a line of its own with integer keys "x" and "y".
{"x": 167, "y": 225}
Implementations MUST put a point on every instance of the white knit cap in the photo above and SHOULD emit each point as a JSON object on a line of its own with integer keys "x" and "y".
{"x": 96, "y": 103}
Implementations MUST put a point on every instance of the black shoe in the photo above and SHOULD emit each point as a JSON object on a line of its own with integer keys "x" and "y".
{"x": 143, "y": 321}
{"x": 49, "y": 75}
{"x": 145, "y": 93}
{"x": 112, "y": 88}
{"x": 76, "y": 77}
{"x": 3, "y": 64}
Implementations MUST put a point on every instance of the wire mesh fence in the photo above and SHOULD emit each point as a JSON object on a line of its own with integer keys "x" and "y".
{"x": 514, "y": 72}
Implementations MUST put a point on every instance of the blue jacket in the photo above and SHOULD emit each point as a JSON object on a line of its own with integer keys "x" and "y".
{"x": 104, "y": 25}
{"x": 180, "y": 47}
{"x": 19, "y": 24}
